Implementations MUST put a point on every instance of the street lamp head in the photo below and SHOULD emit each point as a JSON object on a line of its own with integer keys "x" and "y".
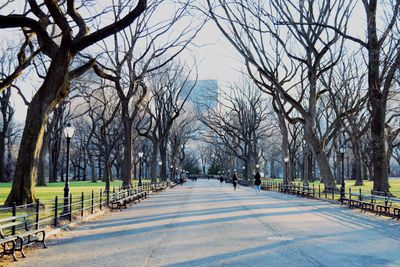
{"x": 243, "y": 167}
{"x": 257, "y": 166}
{"x": 342, "y": 149}
{"x": 69, "y": 130}
{"x": 160, "y": 163}
{"x": 286, "y": 159}
{"x": 171, "y": 166}
{"x": 140, "y": 154}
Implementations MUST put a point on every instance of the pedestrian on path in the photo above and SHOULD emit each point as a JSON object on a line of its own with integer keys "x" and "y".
{"x": 221, "y": 179}
{"x": 257, "y": 182}
{"x": 234, "y": 181}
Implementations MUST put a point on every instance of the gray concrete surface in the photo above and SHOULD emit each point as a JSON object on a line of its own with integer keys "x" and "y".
{"x": 203, "y": 224}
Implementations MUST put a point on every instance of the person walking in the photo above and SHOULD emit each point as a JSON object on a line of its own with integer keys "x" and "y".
{"x": 234, "y": 181}
{"x": 221, "y": 179}
{"x": 257, "y": 182}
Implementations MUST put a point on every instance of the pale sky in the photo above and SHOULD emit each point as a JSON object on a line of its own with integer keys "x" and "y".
{"x": 215, "y": 56}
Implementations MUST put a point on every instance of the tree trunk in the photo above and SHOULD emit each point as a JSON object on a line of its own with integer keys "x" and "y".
{"x": 273, "y": 170}
{"x": 127, "y": 163}
{"x": 377, "y": 103}
{"x": 307, "y": 165}
{"x": 364, "y": 171}
{"x": 41, "y": 177}
{"x": 357, "y": 163}
{"x": 99, "y": 169}
{"x": 107, "y": 170}
{"x": 379, "y": 158}
{"x": 2, "y": 157}
{"x": 163, "y": 156}
{"x": 93, "y": 170}
{"x": 153, "y": 162}
{"x": 285, "y": 149}
{"x": 320, "y": 157}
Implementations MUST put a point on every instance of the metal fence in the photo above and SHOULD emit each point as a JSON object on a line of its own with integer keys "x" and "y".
{"x": 54, "y": 213}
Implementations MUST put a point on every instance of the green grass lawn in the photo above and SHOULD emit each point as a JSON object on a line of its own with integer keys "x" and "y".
{"x": 57, "y": 189}
{"x": 366, "y": 188}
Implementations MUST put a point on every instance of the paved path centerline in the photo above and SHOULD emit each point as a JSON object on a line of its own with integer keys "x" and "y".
{"x": 203, "y": 224}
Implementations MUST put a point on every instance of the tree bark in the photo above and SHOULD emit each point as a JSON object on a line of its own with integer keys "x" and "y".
{"x": 357, "y": 163}
{"x": 153, "y": 162}
{"x": 127, "y": 163}
{"x": 6, "y": 119}
{"x": 163, "y": 156}
{"x": 320, "y": 157}
{"x": 41, "y": 178}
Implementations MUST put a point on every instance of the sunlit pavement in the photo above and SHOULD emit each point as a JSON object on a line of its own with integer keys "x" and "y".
{"x": 203, "y": 224}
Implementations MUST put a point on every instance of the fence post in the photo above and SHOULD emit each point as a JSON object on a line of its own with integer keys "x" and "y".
{"x": 319, "y": 190}
{"x": 108, "y": 198}
{"x": 14, "y": 213}
{"x": 70, "y": 207}
{"x": 359, "y": 197}
{"x": 82, "y": 203}
{"x": 113, "y": 189}
{"x": 326, "y": 193}
{"x": 55, "y": 210}
{"x": 349, "y": 192}
{"x": 37, "y": 214}
{"x": 92, "y": 201}
{"x": 333, "y": 192}
{"x": 101, "y": 199}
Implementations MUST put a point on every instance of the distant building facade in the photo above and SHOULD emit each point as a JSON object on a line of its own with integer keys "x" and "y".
{"x": 204, "y": 93}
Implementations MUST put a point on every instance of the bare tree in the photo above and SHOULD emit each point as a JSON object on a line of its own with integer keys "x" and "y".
{"x": 170, "y": 91}
{"x": 62, "y": 48}
{"x": 301, "y": 54}
{"x": 159, "y": 43}
{"x": 241, "y": 119}
{"x": 383, "y": 59}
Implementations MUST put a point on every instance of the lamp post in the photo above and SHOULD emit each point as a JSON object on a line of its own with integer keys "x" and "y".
{"x": 257, "y": 167}
{"x": 159, "y": 167}
{"x": 342, "y": 150}
{"x": 140, "y": 168}
{"x": 69, "y": 131}
{"x": 171, "y": 167}
{"x": 286, "y": 159}
{"x": 244, "y": 173}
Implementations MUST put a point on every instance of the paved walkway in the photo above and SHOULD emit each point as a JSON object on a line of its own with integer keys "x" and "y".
{"x": 203, "y": 224}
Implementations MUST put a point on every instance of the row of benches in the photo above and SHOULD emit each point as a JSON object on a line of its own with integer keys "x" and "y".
{"x": 381, "y": 203}
{"x": 304, "y": 191}
{"x": 129, "y": 196}
{"x": 378, "y": 202}
{"x": 19, "y": 235}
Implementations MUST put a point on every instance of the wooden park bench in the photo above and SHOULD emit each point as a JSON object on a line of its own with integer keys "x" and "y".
{"x": 354, "y": 200}
{"x": 396, "y": 212}
{"x": 384, "y": 205}
{"x": 123, "y": 198}
{"x": 368, "y": 202}
{"x": 20, "y": 235}
{"x": 387, "y": 206}
{"x": 307, "y": 191}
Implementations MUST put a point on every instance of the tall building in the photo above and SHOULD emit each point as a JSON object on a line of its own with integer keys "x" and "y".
{"x": 204, "y": 94}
